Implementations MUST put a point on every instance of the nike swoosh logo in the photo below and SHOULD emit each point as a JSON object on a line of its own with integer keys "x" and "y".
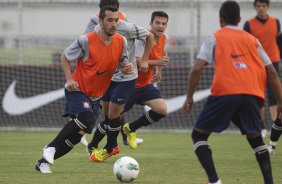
{"x": 14, "y": 105}
{"x": 235, "y": 56}
{"x": 176, "y": 103}
{"x": 101, "y": 73}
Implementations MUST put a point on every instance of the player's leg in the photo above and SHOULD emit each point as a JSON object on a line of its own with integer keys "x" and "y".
{"x": 262, "y": 117}
{"x": 215, "y": 117}
{"x": 276, "y": 131}
{"x": 101, "y": 129}
{"x": 80, "y": 108}
{"x": 248, "y": 121}
{"x": 121, "y": 93}
{"x": 262, "y": 156}
{"x": 124, "y": 136}
{"x": 203, "y": 151}
{"x": 271, "y": 97}
{"x": 150, "y": 96}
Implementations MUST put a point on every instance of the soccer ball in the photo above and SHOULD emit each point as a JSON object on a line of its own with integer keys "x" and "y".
{"x": 126, "y": 169}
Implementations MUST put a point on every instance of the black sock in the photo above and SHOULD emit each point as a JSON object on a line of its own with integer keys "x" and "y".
{"x": 69, "y": 129}
{"x": 67, "y": 145}
{"x": 124, "y": 137}
{"x": 276, "y": 131}
{"x": 114, "y": 128}
{"x": 147, "y": 119}
{"x": 262, "y": 157}
{"x": 204, "y": 154}
{"x": 99, "y": 134}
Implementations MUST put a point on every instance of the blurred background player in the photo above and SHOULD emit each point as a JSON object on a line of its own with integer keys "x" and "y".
{"x": 266, "y": 29}
{"x": 90, "y": 27}
{"x": 236, "y": 56}
{"x": 118, "y": 93}
{"x": 146, "y": 92}
{"x": 97, "y": 56}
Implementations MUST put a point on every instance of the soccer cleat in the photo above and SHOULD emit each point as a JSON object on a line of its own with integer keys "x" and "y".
{"x": 271, "y": 149}
{"x": 43, "y": 168}
{"x": 218, "y": 182}
{"x": 102, "y": 154}
{"x": 91, "y": 151}
{"x": 131, "y": 136}
{"x": 48, "y": 154}
{"x": 83, "y": 141}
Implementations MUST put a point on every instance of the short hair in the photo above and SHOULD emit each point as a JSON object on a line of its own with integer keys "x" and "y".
{"x": 113, "y": 3}
{"x": 103, "y": 10}
{"x": 261, "y": 1}
{"x": 230, "y": 12}
{"x": 158, "y": 14}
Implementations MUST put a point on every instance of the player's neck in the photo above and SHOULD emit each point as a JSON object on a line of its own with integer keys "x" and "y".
{"x": 105, "y": 37}
{"x": 262, "y": 16}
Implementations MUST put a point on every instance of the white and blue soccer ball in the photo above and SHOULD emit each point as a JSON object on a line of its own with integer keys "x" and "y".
{"x": 126, "y": 169}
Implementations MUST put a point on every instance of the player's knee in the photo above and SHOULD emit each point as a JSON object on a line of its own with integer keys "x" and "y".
{"x": 153, "y": 116}
{"x": 198, "y": 136}
{"x": 161, "y": 110}
{"x": 85, "y": 120}
{"x": 255, "y": 141}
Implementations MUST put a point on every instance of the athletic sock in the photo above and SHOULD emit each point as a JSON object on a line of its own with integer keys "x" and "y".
{"x": 276, "y": 131}
{"x": 148, "y": 118}
{"x": 69, "y": 129}
{"x": 114, "y": 128}
{"x": 124, "y": 137}
{"x": 204, "y": 154}
{"x": 262, "y": 157}
{"x": 99, "y": 134}
{"x": 67, "y": 145}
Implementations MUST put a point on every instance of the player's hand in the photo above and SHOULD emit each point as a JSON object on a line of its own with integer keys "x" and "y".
{"x": 187, "y": 106}
{"x": 143, "y": 66}
{"x": 72, "y": 85}
{"x": 164, "y": 61}
{"x": 128, "y": 68}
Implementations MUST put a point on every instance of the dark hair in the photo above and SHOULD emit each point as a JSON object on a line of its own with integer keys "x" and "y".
{"x": 261, "y": 1}
{"x": 230, "y": 12}
{"x": 113, "y": 3}
{"x": 103, "y": 10}
{"x": 158, "y": 14}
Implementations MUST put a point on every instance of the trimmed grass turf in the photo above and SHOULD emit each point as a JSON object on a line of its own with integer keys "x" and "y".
{"x": 164, "y": 158}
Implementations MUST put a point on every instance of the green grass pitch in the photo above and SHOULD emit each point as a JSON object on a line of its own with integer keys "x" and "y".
{"x": 164, "y": 158}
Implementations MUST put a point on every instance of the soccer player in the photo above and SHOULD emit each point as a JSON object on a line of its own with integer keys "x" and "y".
{"x": 241, "y": 70}
{"x": 120, "y": 90}
{"x": 97, "y": 56}
{"x": 146, "y": 92}
{"x": 266, "y": 29}
{"x": 90, "y": 27}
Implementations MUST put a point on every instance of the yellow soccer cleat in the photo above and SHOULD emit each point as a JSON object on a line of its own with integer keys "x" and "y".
{"x": 91, "y": 150}
{"x": 131, "y": 136}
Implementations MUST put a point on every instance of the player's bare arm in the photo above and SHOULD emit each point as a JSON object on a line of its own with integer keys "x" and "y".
{"x": 160, "y": 62}
{"x": 193, "y": 80}
{"x": 71, "y": 84}
{"x": 275, "y": 84}
{"x": 143, "y": 64}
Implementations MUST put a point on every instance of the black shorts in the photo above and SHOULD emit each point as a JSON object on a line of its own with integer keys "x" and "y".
{"x": 220, "y": 111}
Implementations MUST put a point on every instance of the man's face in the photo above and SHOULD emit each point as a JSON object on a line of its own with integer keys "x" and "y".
{"x": 109, "y": 23}
{"x": 158, "y": 26}
{"x": 261, "y": 9}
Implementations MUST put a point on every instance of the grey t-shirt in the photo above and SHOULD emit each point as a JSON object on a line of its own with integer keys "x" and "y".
{"x": 79, "y": 50}
{"x": 131, "y": 32}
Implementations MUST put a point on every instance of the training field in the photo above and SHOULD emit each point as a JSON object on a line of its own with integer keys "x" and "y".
{"x": 164, "y": 158}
